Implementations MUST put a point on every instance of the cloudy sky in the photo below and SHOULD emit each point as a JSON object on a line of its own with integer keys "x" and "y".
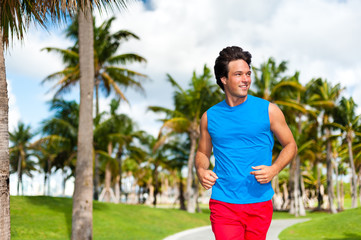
{"x": 319, "y": 38}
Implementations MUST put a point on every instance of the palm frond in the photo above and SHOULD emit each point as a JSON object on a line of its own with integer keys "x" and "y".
{"x": 174, "y": 83}
{"x": 292, "y": 105}
{"x": 126, "y": 59}
{"x": 177, "y": 124}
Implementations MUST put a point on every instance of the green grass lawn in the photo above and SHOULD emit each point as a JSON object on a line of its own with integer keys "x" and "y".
{"x": 50, "y": 218}
{"x": 345, "y": 225}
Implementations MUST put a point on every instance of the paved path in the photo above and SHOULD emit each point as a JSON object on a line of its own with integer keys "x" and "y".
{"x": 205, "y": 233}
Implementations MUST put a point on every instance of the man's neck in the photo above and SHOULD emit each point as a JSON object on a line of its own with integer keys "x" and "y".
{"x": 233, "y": 101}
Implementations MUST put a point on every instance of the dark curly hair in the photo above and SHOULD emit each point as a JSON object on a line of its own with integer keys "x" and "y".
{"x": 227, "y": 55}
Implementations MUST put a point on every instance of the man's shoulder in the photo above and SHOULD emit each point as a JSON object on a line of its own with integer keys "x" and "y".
{"x": 258, "y": 99}
{"x": 216, "y": 106}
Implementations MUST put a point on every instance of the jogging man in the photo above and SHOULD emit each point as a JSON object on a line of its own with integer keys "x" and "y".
{"x": 240, "y": 130}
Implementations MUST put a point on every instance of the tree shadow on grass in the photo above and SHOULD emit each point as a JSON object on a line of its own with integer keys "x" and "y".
{"x": 56, "y": 204}
{"x": 348, "y": 236}
{"x": 100, "y": 206}
{"x": 63, "y": 206}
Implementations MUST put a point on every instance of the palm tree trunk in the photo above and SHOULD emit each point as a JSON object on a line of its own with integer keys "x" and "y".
{"x": 64, "y": 181}
{"x": 106, "y": 194}
{"x": 120, "y": 173}
{"x": 342, "y": 194}
{"x": 4, "y": 150}
{"x": 96, "y": 177}
{"x": 19, "y": 175}
{"x": 155, "y": 184}
{"x": 96, "y": 160}
{"x": 198, "y": 208}
{"x": 181, "y": 193}
{"x": 337, "y": 187}
{"x": 82, "y": 215}
{"x": 296, "y": 188}
{"x": 285, "y": 196}
{"x": 49, "y": 172}
{"x": 277, "y": 197}
{"x": 191, "y": 193}
{"x": 330, "y": 178}
{"x": 45, "y": 177}
{"x": 319, "y": 194}
{"x": 299, "y": 179}
{"x": 117, "y": 189}
{"x": 359, "y": 186}
{"x": 292, "y": 178}
{"x": 353, "y": 174}
{"x": 302, "y": 196}
{"x": 329, "y": 173}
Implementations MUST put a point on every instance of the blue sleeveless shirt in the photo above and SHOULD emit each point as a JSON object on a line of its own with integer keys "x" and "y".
{"x": 241, "y": 138}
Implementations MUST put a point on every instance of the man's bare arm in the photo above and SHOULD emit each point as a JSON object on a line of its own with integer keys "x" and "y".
{"x": 279, "y": 127}
{"x": 206, "y": 177}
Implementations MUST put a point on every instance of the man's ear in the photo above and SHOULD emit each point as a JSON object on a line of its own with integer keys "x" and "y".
{"x": 224, "y": 80}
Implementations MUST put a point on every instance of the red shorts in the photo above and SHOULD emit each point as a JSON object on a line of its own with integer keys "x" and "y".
{"x": 240, "y": 221}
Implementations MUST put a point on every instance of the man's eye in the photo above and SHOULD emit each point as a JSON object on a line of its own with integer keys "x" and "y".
{"x": 248, "y": 74}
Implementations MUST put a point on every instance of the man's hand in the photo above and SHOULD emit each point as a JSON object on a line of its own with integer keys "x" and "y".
{"x": 264, "y": 174}
{"x": 207, "y": 178}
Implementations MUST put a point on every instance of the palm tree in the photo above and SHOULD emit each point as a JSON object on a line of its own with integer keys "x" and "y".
{"x": 45, "y": 152}
{"x": 82, "y": 220}
{"x": 189, "y": 105}
{"x": 319, "y": 149}
{"x": 305, "y": 113}
{"x": 347, "y": 121}
{"x": 340, "y": 169}
{"x": 271, "y": 84}
{"x": 4, "y": 146}
{"x": 108, "y": 75}
{"x": 20, "y": 161}
{"x": 156, "y": 160}
{"x": 124, "y": 139}
{"x": 114, "y": 133}
{"x": 15, "y": 18}
{"x": 290, "y": 95}
{"x": 324, "y": 99}
{"x": 313, "y": 179}
{"x": 178, "y": 152}
{"x": 58, "y": 145}
{"x": 357, "y": 159}
{"x": 104, "y": 146}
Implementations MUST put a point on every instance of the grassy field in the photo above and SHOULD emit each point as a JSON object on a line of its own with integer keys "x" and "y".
{"x": 345, "y": 225}
{"x": 50, "y": 218}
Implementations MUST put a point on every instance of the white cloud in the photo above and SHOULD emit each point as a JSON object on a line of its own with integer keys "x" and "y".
{"x": 319, "y": 38}
{"x": 14, "y": 113}
{"x": 26, "y": 58}
{"x": 136, "y": 110}
{"x": 145, "y": 119}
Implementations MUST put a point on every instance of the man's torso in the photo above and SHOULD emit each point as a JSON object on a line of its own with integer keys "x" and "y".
{"x": 241, "y": 138}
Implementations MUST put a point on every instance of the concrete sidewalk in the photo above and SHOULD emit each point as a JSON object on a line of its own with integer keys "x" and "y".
{"x": 205, "y": 233}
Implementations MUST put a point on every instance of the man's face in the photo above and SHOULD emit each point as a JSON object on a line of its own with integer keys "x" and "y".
{"x": 239, "y": 79}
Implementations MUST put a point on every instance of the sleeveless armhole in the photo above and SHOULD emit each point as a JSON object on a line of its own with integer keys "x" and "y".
{"x": 269, "y": 115}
